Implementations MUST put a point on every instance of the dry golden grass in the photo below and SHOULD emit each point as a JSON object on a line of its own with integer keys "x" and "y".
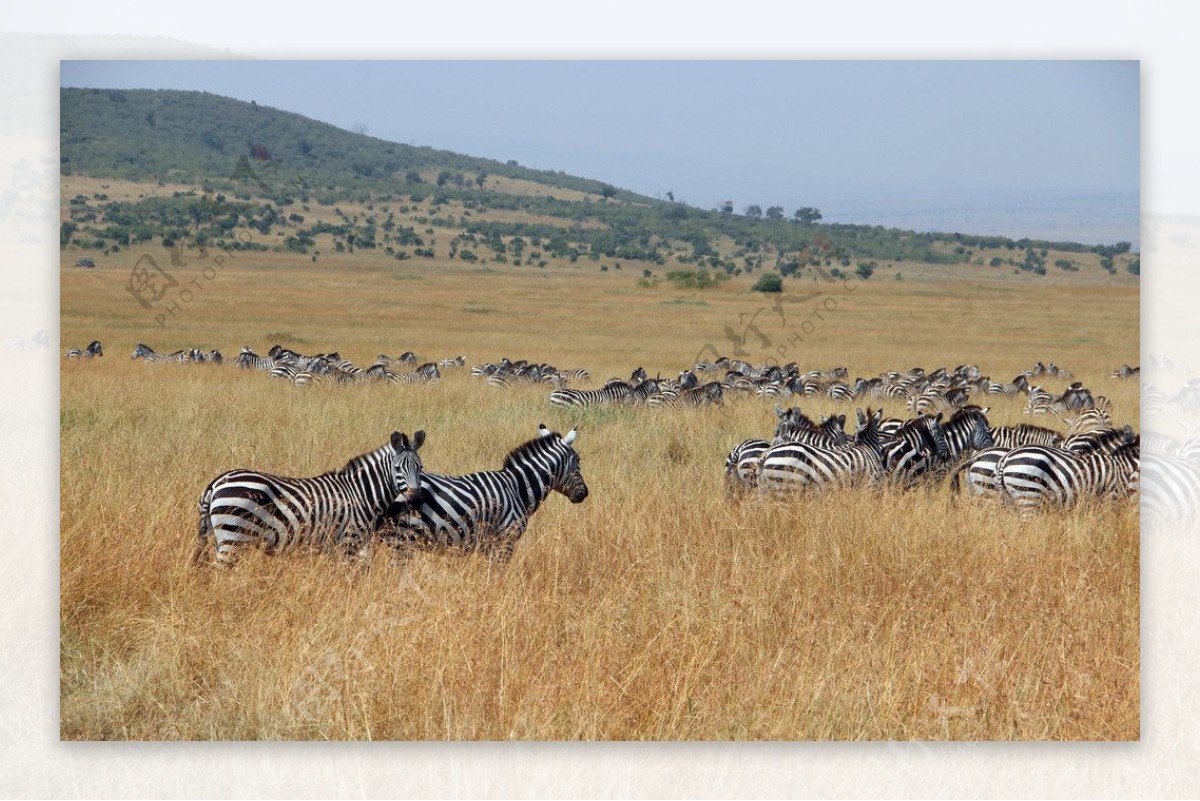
{"x": 654, "y": 610}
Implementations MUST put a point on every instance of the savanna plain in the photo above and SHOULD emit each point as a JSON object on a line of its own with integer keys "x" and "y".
{"x": 657, "y": 609}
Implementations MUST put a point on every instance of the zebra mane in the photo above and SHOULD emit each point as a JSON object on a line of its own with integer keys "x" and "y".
{"x": 538, "y": 445}
{"x": 363, "y": 460}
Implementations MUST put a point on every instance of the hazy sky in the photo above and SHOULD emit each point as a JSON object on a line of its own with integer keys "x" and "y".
{"x": 766, "y": 132}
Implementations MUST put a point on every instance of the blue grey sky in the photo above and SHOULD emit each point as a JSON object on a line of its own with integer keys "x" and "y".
{"x": 873, "y": 138}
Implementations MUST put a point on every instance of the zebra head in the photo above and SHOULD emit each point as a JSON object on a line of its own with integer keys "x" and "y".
{"x": 95, "y": 349}
{"x": 406, "y": 464}
{"x": 556, "y": 456}
{"x": 941, "y": 448}
{"x": 141, "y": 351}
{"x": 868, "y": 431}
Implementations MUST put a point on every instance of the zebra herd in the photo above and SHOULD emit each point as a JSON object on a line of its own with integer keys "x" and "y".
{"x": 303, "y": 370}
{"x": 387, "y": 495}
{"x": 1026, "y": 464}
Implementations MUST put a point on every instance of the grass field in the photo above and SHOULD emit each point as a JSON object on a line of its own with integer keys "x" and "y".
{"x": 654, "y": 610}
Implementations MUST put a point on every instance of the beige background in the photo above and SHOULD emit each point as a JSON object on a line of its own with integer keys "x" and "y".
{"x": 34, "y": 763}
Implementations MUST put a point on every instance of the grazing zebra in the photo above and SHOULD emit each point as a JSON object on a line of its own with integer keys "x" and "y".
{"x": 1009, "y": 437}
{"x": 252, "y": 361}
{"x": 741, "y": 466}
{"x": 486, "y": 511}
{"x": 916, "y": 448}
{"x": 94, "y": 349}
{"x": 793, "y": 466}
{"x": 1034, "y": 475}
{"x": 1089, "y": 420}
{"x": 1075, "y": 398}
{"x": 426, "y": 373}
{"x": 143, "y": 351}
{"x": 1040, "y": 401}
{"x": 1107, "y": 440}
{"x": 339, "y": 508}
{"x": 614, "y": 391}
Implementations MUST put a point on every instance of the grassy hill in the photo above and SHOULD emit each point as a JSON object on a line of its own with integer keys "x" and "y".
{"x": 199, "y": 170}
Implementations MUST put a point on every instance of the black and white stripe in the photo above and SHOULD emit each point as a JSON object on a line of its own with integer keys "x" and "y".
{"x": 92, "y": 350}
{"x": 340, "y": 508}
{"x": 918, "y": 447}
{"x": 615, "y": 391}
{"x": 792, "y": 466}
{"x": 1036, "y": 475}
{"x": 486, "y": 511}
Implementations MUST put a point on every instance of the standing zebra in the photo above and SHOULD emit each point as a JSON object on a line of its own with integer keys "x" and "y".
{"x": 916, "y": 448}
{"x": 94, "y": 349}
{"x": 339, "y": 508}
{"x": 741, "y": 466}
{"x": 792, "y": 466}
{"x": 1035, "y": 474}
{"x": 614, "y": 391}
{"x": 966, "y": 431}
{"x": 486, "y": 511}
{"x": 143, "y": 351}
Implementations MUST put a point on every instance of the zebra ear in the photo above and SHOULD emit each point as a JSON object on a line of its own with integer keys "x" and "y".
{"x": 543, "y": 431}
{"x": 418, "y": 440}
{"x": 779, "y": 412}
{"x": 570, "y": 437}
{"x": 399, "y": 441}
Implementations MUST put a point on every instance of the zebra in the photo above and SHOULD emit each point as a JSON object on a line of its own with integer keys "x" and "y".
{"x": 980, "y": 473}
{"x": 795, "y": 427}
{"x": 967, "y": 430}
{"x": 339, "y": 508}
{"x": 1040, "y": 401}
{"x": 143, "y": 351}
{"x": 250, "y": 360}
{"x": 454, "y": 361}
{"x": 614, "y": 391}
{"x": 1034, "y": 475}
{"x": 426, "y": 373}
{"x": 1009, "y": 437}
{"x": 741, "y": 466}
{"x": 640, "y": 393}
{"x": 486, "y": 511}
{"x": 1076, "y": 398}
{"x": 707, "y": 394}
{"x": 1125, "y": 371}
{"x": 92, "y": 350}
{"x": 1107, "y": 440}
{"x": 792, "y": 466}
{"x": 916, "y": 448}
{"x": 1089, "y": 420}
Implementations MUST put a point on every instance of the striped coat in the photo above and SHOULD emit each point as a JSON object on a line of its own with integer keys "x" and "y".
{"x": 486, "y": 511}
{"x": 340, "y": 508}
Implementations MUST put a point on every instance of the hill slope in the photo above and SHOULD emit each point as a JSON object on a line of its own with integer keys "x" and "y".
{"x": 272, "y": 161}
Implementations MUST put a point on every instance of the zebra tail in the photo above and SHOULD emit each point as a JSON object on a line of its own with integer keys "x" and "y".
{"x": 206, "y": 528}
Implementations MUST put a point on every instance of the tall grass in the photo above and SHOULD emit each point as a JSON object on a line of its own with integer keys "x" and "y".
{"x": 657, "y": 609}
